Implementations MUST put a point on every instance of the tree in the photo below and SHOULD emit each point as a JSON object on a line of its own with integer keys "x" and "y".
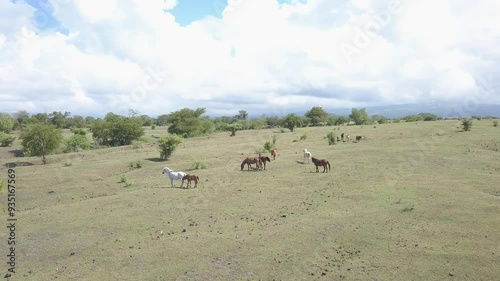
{"x": 291, "y": 121}
{"x": 242, "y": 115}
{"x": 6, "y": 123}
{"x": 188, "y": 123}
{"x": 40, "y": 140}
{"x": 116, "y": 130}
{"x": 162, "y": 120}
{"x": 59, "y": 119}
{"x": 467, "y": 124}
{"x": 317, "y": 115}
{"x": 167, "y": 145}
{"x": 359, "y": 116}
{"x": 20, "y": 118}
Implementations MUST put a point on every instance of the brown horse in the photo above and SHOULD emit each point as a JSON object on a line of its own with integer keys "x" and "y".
{"x": 274, "y": 152}
{"x": 263, "y": 160}
{"x": 323, "y": 162}
{"x": 249, "y": 161}
{"x": 190, "y": 178}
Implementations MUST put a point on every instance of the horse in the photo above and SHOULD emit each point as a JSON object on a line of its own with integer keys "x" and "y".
{"x": 249, "y": 161}
{"x": 174, "y": 175}
{"x": 323, "y": 162}
{"x": 307, "y": 155}
{"x": 262, "y": 161}
{"x": 190, "y": 178}
{"x": 358, "y": 138}
{"x": 274, "y": 153}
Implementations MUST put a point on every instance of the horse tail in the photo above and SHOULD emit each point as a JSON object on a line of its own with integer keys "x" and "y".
{"x": 327, "y": 162}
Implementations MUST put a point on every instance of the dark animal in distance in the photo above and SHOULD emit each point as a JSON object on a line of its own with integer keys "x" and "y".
{"x": 249, "y": 161}
{"x": 321, "y": 162}
{"x": 189, "y": 179}
{"x": 358, "y": 138}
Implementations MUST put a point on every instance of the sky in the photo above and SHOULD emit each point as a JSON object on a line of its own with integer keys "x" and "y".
{"x": 91, "y": 57}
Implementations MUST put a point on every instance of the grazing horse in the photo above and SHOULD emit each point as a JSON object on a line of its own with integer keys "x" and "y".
{"x": 348, "y": 137}
{"x": 358, "y": 138}
{"x": 263, "y": 160}
{"x": 342, "y": 136}
{"x": 249, "y": 161}
{"x": 190, "y": 178}
{"x": 274, "y": 153}
{"x": 321, "y": 162}
{"x": 307, "y": 155}
{"x": 174, "y": 175}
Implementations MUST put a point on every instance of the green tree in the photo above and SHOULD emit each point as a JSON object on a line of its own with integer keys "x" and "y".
{"x": 167, "y": 145}
{"x": 40, "y": 140}
{"x": 188, "y": 123}
{"x": 162, "y": 120}
{"x": 317, "y": 115}
{"x": 291, "y": 121}
{"x": 59, "y": 119}
{"x": 242, "y": 115}
{"x": 20, "y": 118}
{"x": 6, "y": 123}
{"x": 117, "y": 130}
{"x": 359, "y": 116}
{"x": 466, "y": 124}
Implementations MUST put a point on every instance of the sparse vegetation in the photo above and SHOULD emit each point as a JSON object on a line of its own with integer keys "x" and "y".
{"x": 495, "y": 123}
{"x": 198, "y": 165}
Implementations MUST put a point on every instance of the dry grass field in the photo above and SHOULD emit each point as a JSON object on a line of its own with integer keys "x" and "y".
{"x": 411, "y": 201}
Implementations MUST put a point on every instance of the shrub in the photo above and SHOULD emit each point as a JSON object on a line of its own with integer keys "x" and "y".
{"x": 78, "y": 131}
{"x": 495, "y": 123}
{"x": 268, "y": 145}
{"x": 198, "y": 165}
{"x": 77, "y": 143}
{"x": 136, "y": 144}
{"x": 275, "y": 139}
{"x": 466, "y": 124}
{"x": 168, "y": 144}
{"x": 304, "y": 136}
{"x": 332, "y": 138}
{"x": 6, "y": 140}
{"x": 124, "y": 180}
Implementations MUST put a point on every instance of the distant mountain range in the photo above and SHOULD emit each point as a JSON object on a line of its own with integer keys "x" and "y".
{"x": 441, "y": 110}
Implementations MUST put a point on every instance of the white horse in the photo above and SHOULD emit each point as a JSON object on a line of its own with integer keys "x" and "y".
{"x": 174, "y": 175}
{"x": 307, "y": 155}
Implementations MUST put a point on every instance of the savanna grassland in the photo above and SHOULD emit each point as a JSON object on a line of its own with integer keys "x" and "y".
{"x": 411, "y": 201}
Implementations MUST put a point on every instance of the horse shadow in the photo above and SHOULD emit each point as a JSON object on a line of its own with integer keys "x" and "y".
{"x": 16, "y": 164}
{"x": 155, "y": 159}
{"x": 302, "y": 162}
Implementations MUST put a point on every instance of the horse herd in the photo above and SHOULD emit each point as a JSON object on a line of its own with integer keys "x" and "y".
{"x": 260, "y": 163}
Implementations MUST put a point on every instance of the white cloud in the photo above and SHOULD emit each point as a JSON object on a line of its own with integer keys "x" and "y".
{"x": 259, "y": 56}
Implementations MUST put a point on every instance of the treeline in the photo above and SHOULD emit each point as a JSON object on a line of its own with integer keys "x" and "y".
{"x": 41, "y": 133}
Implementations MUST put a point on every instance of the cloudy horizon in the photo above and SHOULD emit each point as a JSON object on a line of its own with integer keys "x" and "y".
{"x": 271, "y": 57}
